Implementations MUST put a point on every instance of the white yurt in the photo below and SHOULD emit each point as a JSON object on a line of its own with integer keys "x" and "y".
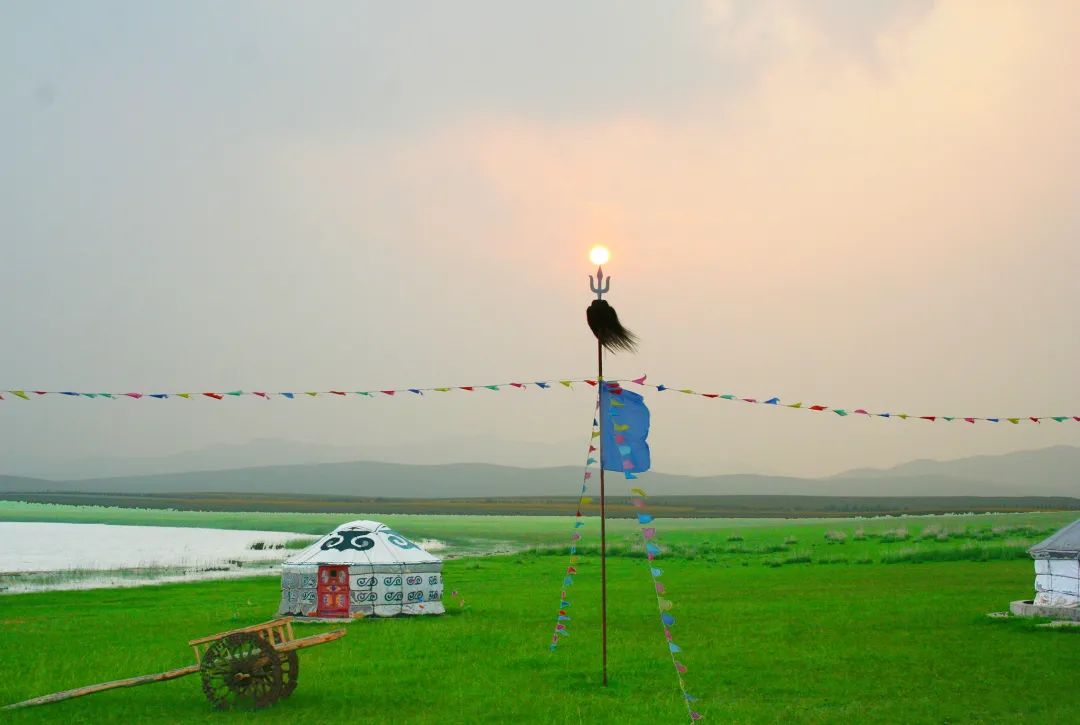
{"x": 1057, "y": 568}
{"x": 361, "y": 568}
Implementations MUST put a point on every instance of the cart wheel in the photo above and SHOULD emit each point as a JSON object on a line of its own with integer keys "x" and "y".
{"x": 241, "y": 670}
{"x": 290, "y": 672}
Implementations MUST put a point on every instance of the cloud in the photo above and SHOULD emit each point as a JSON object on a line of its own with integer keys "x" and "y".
{"x": 854, "y": 225}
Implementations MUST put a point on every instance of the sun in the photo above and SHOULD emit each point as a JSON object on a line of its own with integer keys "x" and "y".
{"x": 599, "y": 255}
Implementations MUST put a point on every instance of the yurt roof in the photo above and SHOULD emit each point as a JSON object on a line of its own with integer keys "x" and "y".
{"x": 363, "y": 542}
{"x": 1062, "y": 544}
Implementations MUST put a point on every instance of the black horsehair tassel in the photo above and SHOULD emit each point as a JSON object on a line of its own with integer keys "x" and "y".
{"x": 604, "y": 323}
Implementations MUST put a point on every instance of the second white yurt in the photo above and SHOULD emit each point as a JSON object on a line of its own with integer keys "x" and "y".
{"x": 1057, "y": 568}
{"x": 361, "y": 568}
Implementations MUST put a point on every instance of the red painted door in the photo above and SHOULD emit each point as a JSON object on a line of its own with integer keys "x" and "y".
{"x": 333, "y": 591}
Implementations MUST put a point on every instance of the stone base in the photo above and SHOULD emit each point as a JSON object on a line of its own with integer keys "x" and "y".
{"x": 1027, "y": 608}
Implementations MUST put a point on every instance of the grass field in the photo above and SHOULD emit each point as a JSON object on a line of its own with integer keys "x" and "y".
{"x": 906, "y": 643}
{"x": 793, "y": 621}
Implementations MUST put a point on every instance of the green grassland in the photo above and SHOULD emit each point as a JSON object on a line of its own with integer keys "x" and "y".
{"x": 856, "y": 620}
{"x": 905, "y": 643}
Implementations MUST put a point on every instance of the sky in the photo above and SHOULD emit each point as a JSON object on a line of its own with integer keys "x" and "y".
{"x": 839, "y": 202}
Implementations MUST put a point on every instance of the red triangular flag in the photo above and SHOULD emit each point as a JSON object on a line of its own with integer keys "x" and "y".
{"x": 930, "y": 418}
{"x": 337, "y": 392}
{"x": 215, "y": 396}
{"x": 466, "y": 387}
{"x": 711, "y": 395}
{"x": 640, "y": 381}
{"x": 388, "y": 392}
{"x": 571, "y": 570}
{"x": 591, "y": 382}
{"x": 818, "y": 407}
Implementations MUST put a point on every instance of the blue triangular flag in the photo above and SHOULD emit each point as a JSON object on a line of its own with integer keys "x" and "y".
{"x": 644, "y": 518}
{"x": 655, "y": 572}
{"x": 288, "y": 395}
{"x": 674, "y": 647}
{"x": 667, "y": 619}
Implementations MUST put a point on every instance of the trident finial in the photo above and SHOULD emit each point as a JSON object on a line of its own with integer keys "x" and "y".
{"x": 599, "y": 286}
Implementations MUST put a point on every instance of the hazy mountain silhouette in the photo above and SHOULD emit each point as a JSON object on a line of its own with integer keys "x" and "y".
{"x": 1046, "y": 472}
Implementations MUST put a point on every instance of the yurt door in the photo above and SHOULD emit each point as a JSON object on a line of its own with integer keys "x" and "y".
{"x": 333, "y": 591}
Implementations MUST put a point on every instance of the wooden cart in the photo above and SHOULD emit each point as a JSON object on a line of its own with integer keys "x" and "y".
{"x": 254, "y": 666}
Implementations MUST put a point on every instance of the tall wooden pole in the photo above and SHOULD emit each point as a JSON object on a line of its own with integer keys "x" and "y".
{"x": 603, "y": 516}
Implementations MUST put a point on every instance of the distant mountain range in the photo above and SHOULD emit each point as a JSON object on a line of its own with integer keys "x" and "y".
{"x": 1046, "y": 472}
{"x": 263, "y": 452}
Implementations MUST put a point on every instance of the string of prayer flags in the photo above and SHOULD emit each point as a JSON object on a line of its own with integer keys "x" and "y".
{"x": 563, "y": 618}
{"x": 663, "y": 605}
{"x": 293, "y": 395}
{"x": 847, "y": 412}
{"x": 630, "y": 454}
{"x": 566, "y": 383}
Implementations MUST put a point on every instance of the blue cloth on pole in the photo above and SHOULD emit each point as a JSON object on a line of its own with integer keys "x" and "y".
{"x": 633, "y": 414}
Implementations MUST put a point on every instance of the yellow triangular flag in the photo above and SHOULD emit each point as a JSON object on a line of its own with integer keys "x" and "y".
{"x": 21, "y": 393}
{"x": 1014, "y": 421}
{"x": 443, "y": 390}
{"x": 639, "y": 491}
{"x": 686, "y": 390}
{"x": 312, "y": 394}
{"x": 794, "y": 405}
{"x": 585, "y": 500}
{"x": 595, "y": 433}
{"x": 183, "y": 395}
{"x": 566, "y": 382}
